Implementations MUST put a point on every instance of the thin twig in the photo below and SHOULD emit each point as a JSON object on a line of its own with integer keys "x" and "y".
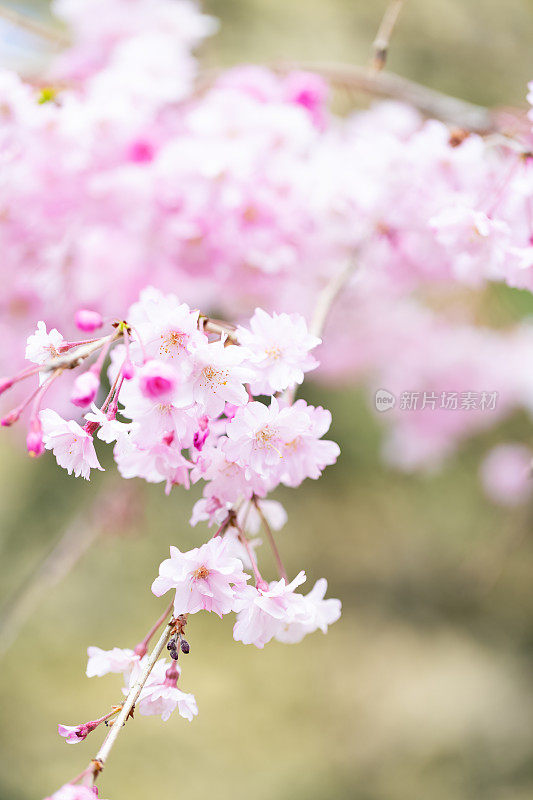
{"x": 33, "y": 26}
{"x": 327, "y": 297}
{"x": 281, "y": 569}
{"x": 133, "y": 695}
{"x": 383, "y": 36}
{"x": 76, "y": 357}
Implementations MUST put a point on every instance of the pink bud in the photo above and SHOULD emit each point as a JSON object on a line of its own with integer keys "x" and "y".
{"x": 34, "y": 440}
{"x": 5, "y": 384}
{"x": 88, "y": 320}
{"x": 11, "y": 418}
{"x": 156, "y": 379}
{"x": 128, "y": 370}
{"x": 85, "y": 389}
{"x": 141, "y": 151}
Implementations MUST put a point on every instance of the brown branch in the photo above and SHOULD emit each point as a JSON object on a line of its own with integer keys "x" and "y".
{"x": 383, "y": 36}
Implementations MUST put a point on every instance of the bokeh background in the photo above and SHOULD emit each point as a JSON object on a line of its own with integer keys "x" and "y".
{"x": 424, "y": 689}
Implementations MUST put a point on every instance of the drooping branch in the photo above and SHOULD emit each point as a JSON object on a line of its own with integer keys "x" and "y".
{"x": 101, "y": 757}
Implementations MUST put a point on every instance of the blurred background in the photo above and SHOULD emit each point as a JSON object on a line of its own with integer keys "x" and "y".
{"x": 424, "y": 688}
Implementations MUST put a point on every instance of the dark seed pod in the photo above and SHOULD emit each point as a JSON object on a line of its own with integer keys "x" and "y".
{"x": 185, "y": 646}
{"x": 174, "y": 655}
{"x": 171, "y": 645}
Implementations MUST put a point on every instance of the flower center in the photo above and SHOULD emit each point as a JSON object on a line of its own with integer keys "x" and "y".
{"x": 274, "y": 352}
{"x": 201, "y": 573}
{"x": 214, "y": 377}
{"x": 265, "y": 438}
{"x": 172, "y": 343}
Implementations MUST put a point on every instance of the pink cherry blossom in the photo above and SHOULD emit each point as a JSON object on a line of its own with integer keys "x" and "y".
{"x": 72, "y": 446}
{"x": 204, "y": 578}
{"x": 42, "y": 346}
{"x": 163, "y": 700}
{"x": 157, "y": 379}
{"x": 71, "y": 792}
{"x": 280, "y": 346}
{"x": 506, "y": 474}
{"x": 73, "y": 734}
{"x": 321, "y": 614}
{"x": 101, "y": 662}
{"x": 219, "y": 376}
{"x": 262, "y": 613}
{"x": 257, "y": 435}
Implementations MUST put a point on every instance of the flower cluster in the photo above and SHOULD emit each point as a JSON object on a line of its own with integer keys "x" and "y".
{"x": 209, "y": 578}
{"x": 181, "y": 406}
{"x": 135, "y": 169}
{"x": 233, "y": 188}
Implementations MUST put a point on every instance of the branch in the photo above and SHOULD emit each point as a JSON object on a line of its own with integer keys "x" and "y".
{"x": 31, "y": 25}
{"x": 327, "y": 297}
{"x": 429, "y": 102}
{"x": 273, "y": 546}
{"x": 383, "y": 36}
{"x": 101, "y": 757}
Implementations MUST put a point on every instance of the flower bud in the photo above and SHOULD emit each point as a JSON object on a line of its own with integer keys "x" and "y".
{"x": 88, "y": 320}
{"x": 5, "y": 384}
{"x": 156, "y": 379}
{"x": 85, "y": 389}
{"x": 34, "y": 440}
{"x": 128, "y": 370}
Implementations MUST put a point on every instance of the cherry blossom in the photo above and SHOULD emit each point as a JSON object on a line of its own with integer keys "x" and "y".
{"x": 71, "y": 792}
{"x": 204, "y": 578}
{"x": 506, "y": 474}
{"x": 101, "y": 662}
{"x": 262, "y": 613}
{"x": 162, "y": 700}
{"x": 42, "y": 346}
{"x": 321, "y": 614}
{"x": 72, "y": 446}
{"x": 280, "y": 346}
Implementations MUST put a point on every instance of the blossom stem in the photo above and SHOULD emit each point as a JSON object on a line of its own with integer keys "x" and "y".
{"x": 72, "y": 360}
{"x": 143, "y": 644}
{"x": 133, "y": 695}
{"x": 222, "y": 328}
{"x": 259, "y": 580}
{"x": 328, "y": 296}
{"x": 281, "y": 569}
{"x": 383, "y": 36}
